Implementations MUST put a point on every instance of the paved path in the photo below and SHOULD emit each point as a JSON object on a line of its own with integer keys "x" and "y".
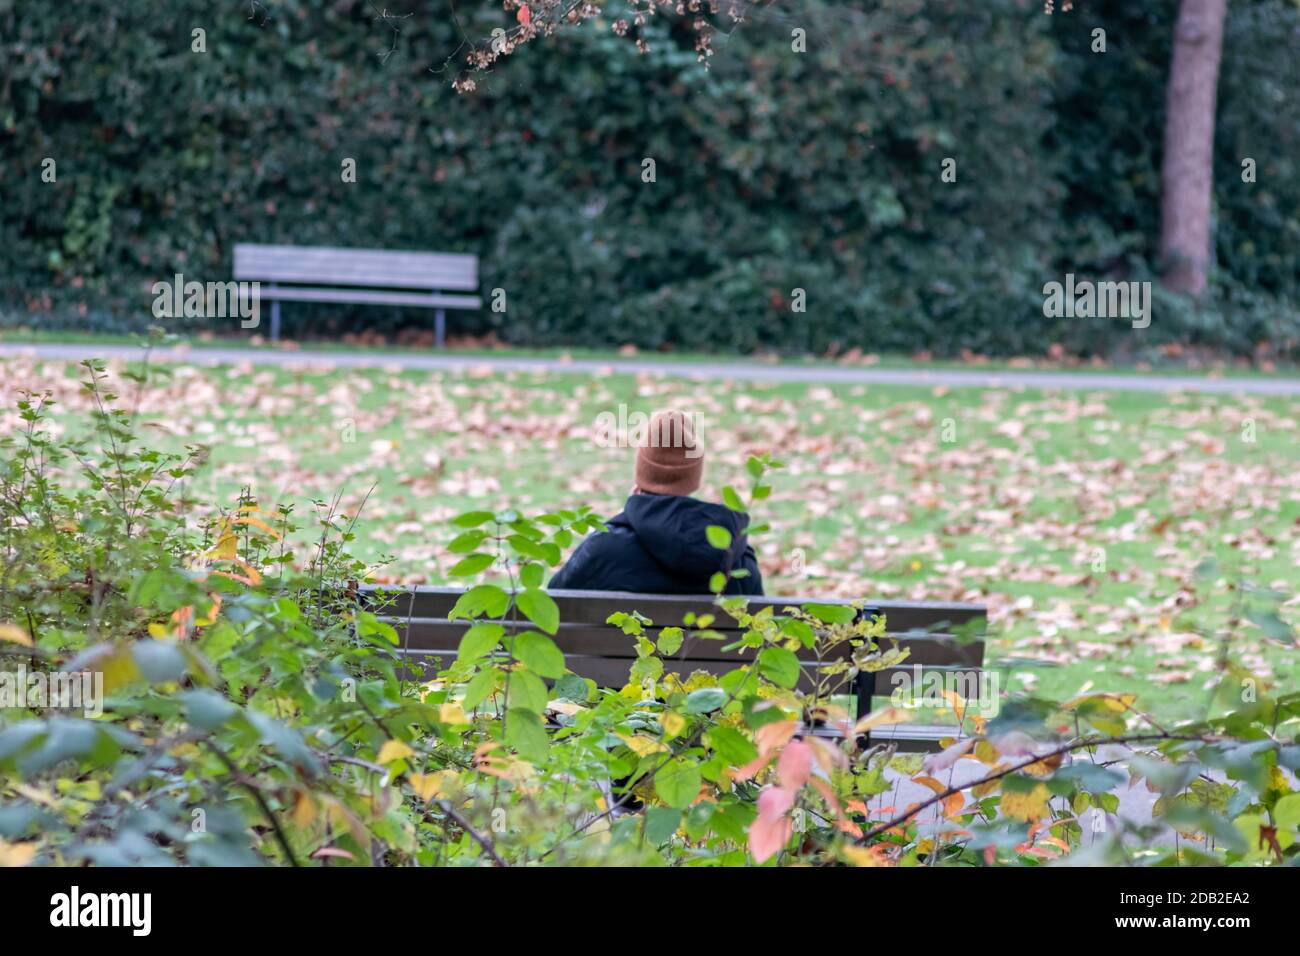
{"x": 718, "y": 371}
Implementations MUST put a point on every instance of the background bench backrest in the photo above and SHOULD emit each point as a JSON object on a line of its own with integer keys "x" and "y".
{"x": 355, "y": 267}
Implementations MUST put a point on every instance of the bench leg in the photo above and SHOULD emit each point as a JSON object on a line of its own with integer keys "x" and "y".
{"x": 275, "y": 320}
{"x": 439, "y": 327}
{"x": 864, "y": 685}
{"x": 865, "y": 688}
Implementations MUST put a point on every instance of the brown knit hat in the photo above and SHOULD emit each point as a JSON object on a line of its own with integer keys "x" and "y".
{"x": 670, "y": 458}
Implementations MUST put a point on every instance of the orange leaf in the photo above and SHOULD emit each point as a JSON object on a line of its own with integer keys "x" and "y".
{"x": 15, "y": 634}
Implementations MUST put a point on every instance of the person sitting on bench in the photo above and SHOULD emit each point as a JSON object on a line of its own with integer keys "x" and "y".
{"x": 657, "y": 544}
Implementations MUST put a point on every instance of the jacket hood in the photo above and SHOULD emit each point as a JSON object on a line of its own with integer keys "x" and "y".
{"x": 672, "y": 529}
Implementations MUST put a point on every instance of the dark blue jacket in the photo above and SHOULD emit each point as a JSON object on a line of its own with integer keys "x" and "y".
{"x": 658, "y": 545}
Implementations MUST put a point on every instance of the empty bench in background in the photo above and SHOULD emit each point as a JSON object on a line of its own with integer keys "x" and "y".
{"x": 430, "y": 280}
{"x": 592, "y": 648}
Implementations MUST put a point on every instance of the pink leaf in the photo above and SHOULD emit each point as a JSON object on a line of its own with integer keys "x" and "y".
{"x": 771, "y": 831}
{"x": 795, "y": 765}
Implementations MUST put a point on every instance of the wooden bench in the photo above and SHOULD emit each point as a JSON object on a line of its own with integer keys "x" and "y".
{"x": 360, "y": 276}
{"x": 940, "y": 637}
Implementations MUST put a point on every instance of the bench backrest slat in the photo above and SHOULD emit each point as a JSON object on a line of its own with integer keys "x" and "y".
{"x": 595, "y": 607}
{"x": 601, "y": 651}
{"x": 439, "y": 636}
{"x": 378, "y": 268}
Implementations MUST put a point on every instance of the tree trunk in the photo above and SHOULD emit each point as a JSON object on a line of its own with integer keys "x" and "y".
{"x": 1188, "y": 174}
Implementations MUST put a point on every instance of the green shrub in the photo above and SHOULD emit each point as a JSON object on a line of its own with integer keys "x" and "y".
{"x": 775, "y": 171}
{"x": 251, "y": 712}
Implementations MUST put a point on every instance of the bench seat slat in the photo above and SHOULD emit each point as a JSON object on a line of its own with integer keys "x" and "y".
{"x": 613, "y": 671}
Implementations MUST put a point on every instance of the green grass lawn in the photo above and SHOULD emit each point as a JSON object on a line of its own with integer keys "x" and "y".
{"x": 1171, "y": 366}
{"x": 1079, "y": 517}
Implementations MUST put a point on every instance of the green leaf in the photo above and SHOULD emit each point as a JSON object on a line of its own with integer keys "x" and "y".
{"x": 678, "y": 782}
{"x": 831, "y": 613}
{"x": 1286, "y": 812}
{"x": 531, "y": 575}
{"x": 526, "y": 690}
{"x": 730, "y": 744}
{"x": 539, "y": 653}
{"x": 717, "y": 582}
{"x": 779, "y": 666}
{"x": 480, "y": 686}
{"x": 645, "y": 668}
{"x": 754, "y": 466}
{"x": 467, "y": 567}
{"x": 718, "y": 536}
{"x": 206, "y": 709}
{"x": 478, "y": 641}
{"x": 539, "y": 608}
{"x": 467, "y": 542}
{"x": 571, "y": 687}
{"x": 800, "y": 630}
{"x": 148, "y": 586}
{"x": 526, "y": 547}
{"x": 670, "y": 640}
{"x": 732, "y": 500}
{"x": 705, "y": 699}
{"x": 472, "y": 519}
{"x": 661, "y": 823}
{"x": 484, "y": 600}
{"x": 159, "y": 661}
{"x": 524, "y": 732}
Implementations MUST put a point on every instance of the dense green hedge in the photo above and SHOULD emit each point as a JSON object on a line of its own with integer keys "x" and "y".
{"x": 775, "y": 170}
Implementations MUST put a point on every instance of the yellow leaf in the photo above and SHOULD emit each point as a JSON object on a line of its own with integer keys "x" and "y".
{"x": 674, "y": 723}
{"x": 394, "y": 750}
{"x": 883, "y": 717}
{"x": 341, "y": 816}
{"x": 958, "y": 704}
{"x": 227, "y": 548}
{"x": 641, "y": 744}
{"x": 428, "y": 786}
{"x": 980, "y": 791}
{"x": 15, "y": 634}
{"x": 257, "y": 523}
{"x": 1044, "y": 767}
{"x": 1029, "y": 806}
{"x": 451, "y": 713}
{"x": 304, "y": 811}
{"x": 985, "y": 752}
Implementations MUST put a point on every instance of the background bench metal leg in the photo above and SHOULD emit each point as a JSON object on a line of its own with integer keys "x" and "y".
{"x": 275, "y": 320}
{"x": 439, "y": 327}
